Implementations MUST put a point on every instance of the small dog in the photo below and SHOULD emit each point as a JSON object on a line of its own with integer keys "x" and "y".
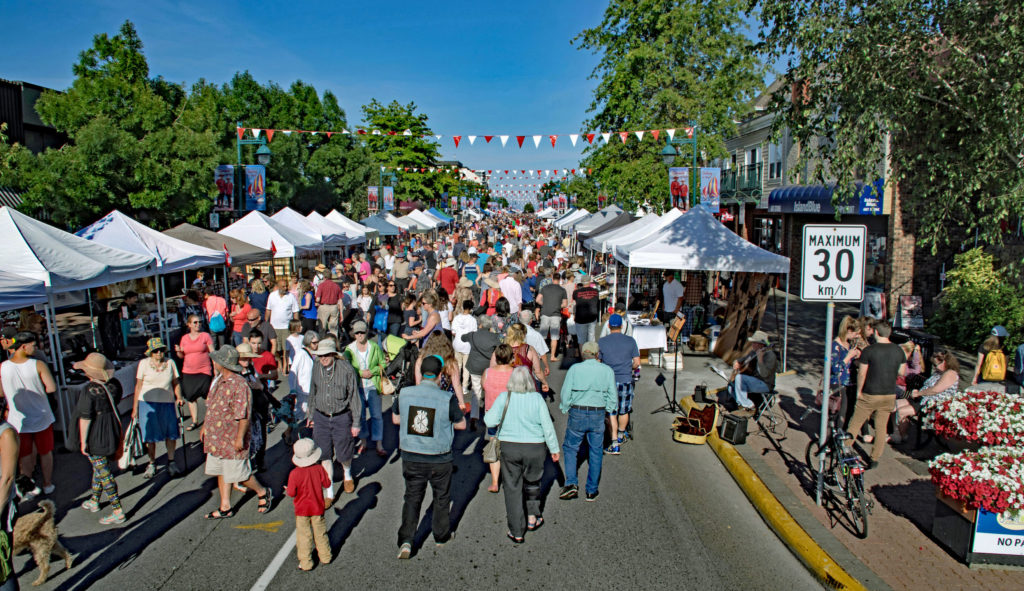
{"x": 37, "y": 531}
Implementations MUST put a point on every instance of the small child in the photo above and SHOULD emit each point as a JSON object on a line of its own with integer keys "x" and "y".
{"x": 410, "y": 320}
{"x": 306, "y": 484}
{"x": 294, "y": 341}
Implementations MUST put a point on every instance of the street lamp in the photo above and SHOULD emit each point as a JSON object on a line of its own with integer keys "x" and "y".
{"x": 263, "y": 155}
{"x": 669, "y": 153}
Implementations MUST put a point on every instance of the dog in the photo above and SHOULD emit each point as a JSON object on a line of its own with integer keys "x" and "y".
{"x": 37, "y": 531}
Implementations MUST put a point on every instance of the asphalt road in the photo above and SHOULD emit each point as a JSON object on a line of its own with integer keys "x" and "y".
{"x": 669, "y": 517}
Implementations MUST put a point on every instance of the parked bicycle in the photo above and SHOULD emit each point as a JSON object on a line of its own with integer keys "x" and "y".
{"x": 844, "y": 476}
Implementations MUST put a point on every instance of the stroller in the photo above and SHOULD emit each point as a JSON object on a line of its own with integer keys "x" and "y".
{"x": 401, "y": 356}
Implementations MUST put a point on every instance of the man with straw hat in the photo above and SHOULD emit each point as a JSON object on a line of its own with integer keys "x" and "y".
{"x": 333, "y": 399}
{"x": 226, "y": 432}
{"x": 305, "y": 484}
{"x": 756, "y": 375}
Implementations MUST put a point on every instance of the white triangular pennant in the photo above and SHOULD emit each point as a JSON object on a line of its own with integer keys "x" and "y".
{"x": 573, "y": 137}
{"x": 256, "y": 132}
{"x": 287, "y": 132}
{"x": 345, "y": 132}
{"x": 438, "y": 137}
{"x": 605, "y": 136}
{"x": 504, "y": 139}
{"x": 375, "y": 132}
{"x": 671, "y": 134}
{"x": 407, "y": 132}
{"x": 639, "y": 135}
{"x": 536, "y": 141}
{"x": 472, "y": 139}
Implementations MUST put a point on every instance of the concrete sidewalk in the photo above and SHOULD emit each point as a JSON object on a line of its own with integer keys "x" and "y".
{"x": 899, "y": 552}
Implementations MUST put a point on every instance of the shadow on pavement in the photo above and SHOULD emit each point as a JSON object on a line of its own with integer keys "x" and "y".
{"x": 349, "y": 516}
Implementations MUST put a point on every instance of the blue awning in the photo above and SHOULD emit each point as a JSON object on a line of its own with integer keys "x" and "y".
{"x": 818, "y": 199}
{"x": 440, "y": 214}
{"x": 384, "y": 227}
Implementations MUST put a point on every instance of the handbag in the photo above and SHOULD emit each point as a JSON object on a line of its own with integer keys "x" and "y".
{"x": 492, "y": 451}
{"x": 132, "y": 448}
{"x": 387, "y": 387}
{"x": 380, "y": 319}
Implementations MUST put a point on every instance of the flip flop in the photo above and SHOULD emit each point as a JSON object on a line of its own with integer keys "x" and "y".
{"x": 514, "y": 539}
{"x": 536, "y": 525}
{"x": 218, "y": 514}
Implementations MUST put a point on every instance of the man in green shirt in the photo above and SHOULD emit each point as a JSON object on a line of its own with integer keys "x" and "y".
{"x": 588, "y": 394}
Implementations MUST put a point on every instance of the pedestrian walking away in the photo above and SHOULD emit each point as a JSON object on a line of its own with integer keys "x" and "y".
{"x": 333, "y": 400}
{"x": 589, "y": 393}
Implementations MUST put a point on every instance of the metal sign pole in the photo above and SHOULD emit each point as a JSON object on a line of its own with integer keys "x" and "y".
{"x": 826, "y": 392}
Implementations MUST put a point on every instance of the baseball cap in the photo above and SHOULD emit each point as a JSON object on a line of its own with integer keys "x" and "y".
{"x": 591, "y": 348}
{"x": 358, "y": 326}
{"x": 614, "y": 321}
{"x": 9, "y": 332}
{"x": 431, "y": 366}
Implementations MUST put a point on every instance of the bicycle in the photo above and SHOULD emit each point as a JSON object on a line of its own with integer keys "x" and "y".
{"x": 844, "y": 473}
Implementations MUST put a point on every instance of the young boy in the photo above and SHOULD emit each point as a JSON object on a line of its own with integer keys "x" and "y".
{"x": 306, "y": 483}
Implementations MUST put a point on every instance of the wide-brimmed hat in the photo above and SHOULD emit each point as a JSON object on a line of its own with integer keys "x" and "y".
{"x": 245, "y": 351}
{"x": 326, "y": 347}
{"x": 96, "y": 366}
{"x": 155, "y": 344}
{"x": 759, "y": 336}
{"x": 491, "y": 282}
{"x": 227, "y": 357}
{"x": 320, "y": 267}
{"x": 449, "y": 262}
{"x": 464, "y": 282}
{"x": 305, "y": 453}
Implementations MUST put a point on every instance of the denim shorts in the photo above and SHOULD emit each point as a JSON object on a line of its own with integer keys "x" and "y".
{"x": 625, "y": 399}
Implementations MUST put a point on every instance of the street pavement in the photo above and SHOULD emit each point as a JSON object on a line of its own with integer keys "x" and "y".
{"x": 669, "y": 516}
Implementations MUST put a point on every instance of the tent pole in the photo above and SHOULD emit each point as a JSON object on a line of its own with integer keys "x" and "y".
{"x": 785, "y": 326}
{"x": 92, "y": 319}
{"x": 163, "y": 315}
{"x": 58, "y": 364}
{"x": 629, "y": 275}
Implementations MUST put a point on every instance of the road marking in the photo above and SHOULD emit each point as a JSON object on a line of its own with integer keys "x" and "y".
{"x": 271, "y": 527}
{"x": 275, "y": 565}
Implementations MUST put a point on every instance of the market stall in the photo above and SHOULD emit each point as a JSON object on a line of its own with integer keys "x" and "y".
{"x": 336, "y": 217}
{"x": 342, "y": 236}
{"x": 240, "y": 252}
{"x": 381, "y": 225}
{"x": 286, "y": 243}
{"x": 19, "y": 292}
{"x": 447, "y": 219}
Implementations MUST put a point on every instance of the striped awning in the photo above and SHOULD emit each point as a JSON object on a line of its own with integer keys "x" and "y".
{"x": 9, "y": 198}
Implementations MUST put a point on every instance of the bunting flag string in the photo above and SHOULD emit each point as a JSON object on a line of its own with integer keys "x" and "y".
{"x": 256, "y": 132}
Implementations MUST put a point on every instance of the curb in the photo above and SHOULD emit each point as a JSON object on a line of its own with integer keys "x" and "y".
{"x": 814, "y": 557}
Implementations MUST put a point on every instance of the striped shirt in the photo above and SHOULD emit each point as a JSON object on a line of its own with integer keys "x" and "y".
{"x": 333, "y": 388}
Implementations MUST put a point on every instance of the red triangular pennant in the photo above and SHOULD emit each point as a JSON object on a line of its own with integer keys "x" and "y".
{"x": 487, "y": 138}
{"x": 574, "y": 171}
{"x": 457, "y": 138}
{"x": 553, "y": 139}
{"x": 590, "y": 138}
{"x": 655, "y": 133}
{"x": 519, "y": 139}
{"x": 241, "y": 131}
{"x": 623, "y": 135}
{"x": 329, "y": 134}
{"x": 273, "y": 249}
{"x": 270, "y": 134}
{"x": 506, "y": 172}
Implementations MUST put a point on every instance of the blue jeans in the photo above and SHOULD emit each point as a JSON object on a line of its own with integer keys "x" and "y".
{"x": 744, "y": 384}
{"x": 589, "y": 424}
{"x": 371, "y": 428}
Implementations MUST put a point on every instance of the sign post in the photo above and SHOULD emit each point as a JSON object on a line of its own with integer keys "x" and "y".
{"x": 831, "y": 270}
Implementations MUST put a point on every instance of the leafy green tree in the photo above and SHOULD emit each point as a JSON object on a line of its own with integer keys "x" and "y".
{"x": 941, "y": 79}
{"x": 528, "y": 208}
{"x": 401, "y": 151}
{"x": 665, "y": 64}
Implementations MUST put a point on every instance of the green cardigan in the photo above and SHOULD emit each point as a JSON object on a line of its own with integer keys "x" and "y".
{"x": 375, "y": 362}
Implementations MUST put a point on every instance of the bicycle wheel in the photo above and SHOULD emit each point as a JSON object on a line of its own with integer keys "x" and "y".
{"x": 811, "y": 458}
{"x": 858, "y": 504}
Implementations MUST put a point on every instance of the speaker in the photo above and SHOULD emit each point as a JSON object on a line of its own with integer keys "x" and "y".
{"x": 734, "y": 429}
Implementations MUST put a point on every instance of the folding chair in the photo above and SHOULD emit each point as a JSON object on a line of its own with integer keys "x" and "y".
{"x": 767, "y": 408}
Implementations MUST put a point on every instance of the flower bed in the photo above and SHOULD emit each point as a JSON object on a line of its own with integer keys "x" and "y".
{"x": 990, "y": 478}
{"x": 984, "y": 418}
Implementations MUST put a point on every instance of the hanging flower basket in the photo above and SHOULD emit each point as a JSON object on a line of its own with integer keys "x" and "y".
{"x": 990, "y": 479}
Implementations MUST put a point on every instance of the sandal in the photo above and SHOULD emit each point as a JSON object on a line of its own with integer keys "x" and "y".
{"x": 535, "y": 525}
{"x": 265, "y": 502}
{"x": 514, "y": 539}
{"x": 220, "y": 514}
{"x": 91, "y": 506}
{"x": 192, "y": 427}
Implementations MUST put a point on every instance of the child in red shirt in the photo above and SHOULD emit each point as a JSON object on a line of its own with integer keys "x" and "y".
{"x": 306, "y": 483}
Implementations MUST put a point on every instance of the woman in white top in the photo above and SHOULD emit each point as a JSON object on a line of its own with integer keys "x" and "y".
{"x": 25, "y": 382}
{"x": 300, "y": 375}
{"x": 157, "y": 390}
{"x": 365, "y": 302}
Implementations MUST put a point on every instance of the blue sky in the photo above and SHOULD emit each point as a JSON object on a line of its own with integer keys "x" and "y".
{"x": 475, "y": 68}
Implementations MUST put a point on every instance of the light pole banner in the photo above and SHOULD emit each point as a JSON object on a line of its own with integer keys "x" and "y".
{"x": 371, "y": 198}
{"x": 679, "y": 187}
{"x": 389, "y": 198}
{"x": 710, "y": 188}
{"x": 224, "y": 178}
{"x": 255, "y": 187}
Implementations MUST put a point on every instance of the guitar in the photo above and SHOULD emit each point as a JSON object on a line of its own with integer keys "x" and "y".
{"x": 744, "y": 363}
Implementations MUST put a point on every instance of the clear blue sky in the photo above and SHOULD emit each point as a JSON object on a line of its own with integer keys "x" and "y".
{"x": 474, "y": 68}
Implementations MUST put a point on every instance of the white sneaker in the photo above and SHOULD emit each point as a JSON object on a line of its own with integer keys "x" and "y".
{"x": 405, "y": 551}
{"x": 48, "y": 490}
{"x": 150, "y": 471}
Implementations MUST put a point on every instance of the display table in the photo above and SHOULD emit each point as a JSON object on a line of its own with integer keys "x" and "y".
{"x": 650, "y": 337}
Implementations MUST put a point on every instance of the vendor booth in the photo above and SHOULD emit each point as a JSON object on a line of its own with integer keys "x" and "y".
{"x": 241, "y": 253}
{"x": 359, "y": 229}
{"x": 440, "y": 215}
{"x": 341, "y": 236}
{"x": 286, "y": 243}
{"x": 20, "y": 292}
{"x": 381, "y": 225}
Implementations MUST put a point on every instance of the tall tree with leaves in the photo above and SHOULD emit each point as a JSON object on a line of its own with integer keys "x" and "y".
{"x": 942, "y": 79}
{"x": 666, "y": 64}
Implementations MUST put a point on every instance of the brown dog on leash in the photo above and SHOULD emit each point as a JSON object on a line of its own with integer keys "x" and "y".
{"x": 37, "y": 531}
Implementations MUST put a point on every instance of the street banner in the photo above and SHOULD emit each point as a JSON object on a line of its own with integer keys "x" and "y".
{"x": 679, "y": 187}
{"x": 454, "y": 202}
{"x": 388, "y": 194}
{"x": 255, "y": 187}
{"x": 224, "y": 178}
{"x": 371, "y": 198}
{"x": 710, "y": 188}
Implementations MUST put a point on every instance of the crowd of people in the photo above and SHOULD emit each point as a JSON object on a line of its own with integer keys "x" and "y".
{"x": 462, "y": 329}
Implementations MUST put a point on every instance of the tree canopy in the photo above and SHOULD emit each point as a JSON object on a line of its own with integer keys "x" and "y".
{"x": 666, "y": 64}
{"x": 941, "y": 79}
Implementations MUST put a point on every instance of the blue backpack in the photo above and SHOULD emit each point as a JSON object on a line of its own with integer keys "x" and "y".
{"x": 380, "y": 319}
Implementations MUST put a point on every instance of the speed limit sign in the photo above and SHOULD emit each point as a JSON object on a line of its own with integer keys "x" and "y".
{"x": 832, "y": 265}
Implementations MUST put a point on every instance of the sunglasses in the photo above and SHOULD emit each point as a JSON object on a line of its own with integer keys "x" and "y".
{"x": 359, "y": 332}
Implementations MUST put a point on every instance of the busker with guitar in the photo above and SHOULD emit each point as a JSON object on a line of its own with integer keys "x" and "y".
{"x": 755, "y": 372}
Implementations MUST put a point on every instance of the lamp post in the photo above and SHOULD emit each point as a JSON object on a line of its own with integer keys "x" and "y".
{"x": 669, "y": 153}
{"x": 263, "y": 155}
{"x": 380, "y": 184}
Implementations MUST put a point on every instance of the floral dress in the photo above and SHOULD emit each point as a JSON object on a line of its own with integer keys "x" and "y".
{"x": 928, "y": 403}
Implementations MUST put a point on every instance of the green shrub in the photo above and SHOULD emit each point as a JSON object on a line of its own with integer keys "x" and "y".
{"x": 977, "y": 297}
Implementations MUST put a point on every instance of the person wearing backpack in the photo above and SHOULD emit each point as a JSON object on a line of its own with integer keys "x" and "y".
{"x": 993, "y": 362}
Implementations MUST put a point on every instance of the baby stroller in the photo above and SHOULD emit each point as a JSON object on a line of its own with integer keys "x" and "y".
{"x": 401, "y": 356}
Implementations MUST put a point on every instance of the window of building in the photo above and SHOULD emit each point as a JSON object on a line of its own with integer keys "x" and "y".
{"x": 774, "y": 161}
{"x": 752, "y": 156}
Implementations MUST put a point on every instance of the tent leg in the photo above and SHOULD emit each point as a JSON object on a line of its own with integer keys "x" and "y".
{"x": 629, "y": 275}
{"x": 92, "y": 319}
{"x": 163, "y": 310}
{"x": 63, "y": 404}
{"x": 785, "y": 327}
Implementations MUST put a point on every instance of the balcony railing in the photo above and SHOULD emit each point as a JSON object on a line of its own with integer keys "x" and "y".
{"x": 742, "y": 182}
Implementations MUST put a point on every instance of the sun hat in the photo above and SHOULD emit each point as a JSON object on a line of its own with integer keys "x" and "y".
{"x": 227, "y": 357}
{"x": 449, "y": 262}
{"x": 615, "y": 321}
{"x": 96, "y": 366}
{"x": 759, "y": 336}
{"x": 491, "y": 282}
{"x": 326, "y": 347}
{"x": 154, "y": 344}
{"x": 305, "y": 453}
{"x": 584, "y": 279}
{"x": 358, "y": 326}
{"x": 431, "y": 366}
{"x": 320, "y": 267}
{"x": 464, "y": 282}
{"x": 245, "y": 351}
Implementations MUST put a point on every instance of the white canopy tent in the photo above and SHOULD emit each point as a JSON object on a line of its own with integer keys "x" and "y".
{"x": 336, "y": 217}
{"x": 298, "y": 222}
{"x": 19, "y": 292}
{"x": 547, "y": 213}
{"x": 394, "y": 221}
{"x": 564, "y": 215}
{"x": 425, "y": 219}
{"x": 696, "y": 241}
{"x": 597, "y": 220}
{"x": 339, "y": 234}
{"x": 632, "y": 232}
{"x": 256, "y": 228}
{"x": 415, "y": 225}
{"x": 566, "y": 221}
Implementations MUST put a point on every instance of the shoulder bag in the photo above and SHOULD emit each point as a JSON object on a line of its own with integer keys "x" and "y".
{"x": 492, "y": 451}
{"x": 387, "y": 387}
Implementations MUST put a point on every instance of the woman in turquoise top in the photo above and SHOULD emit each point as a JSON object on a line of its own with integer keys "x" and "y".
{"x": 527, "y": 435}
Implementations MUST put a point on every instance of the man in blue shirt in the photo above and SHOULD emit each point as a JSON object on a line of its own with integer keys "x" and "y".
{"x": 622, "y": 355}
{"x": 427, "y": 417}
{"x": 588, "y": 392}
